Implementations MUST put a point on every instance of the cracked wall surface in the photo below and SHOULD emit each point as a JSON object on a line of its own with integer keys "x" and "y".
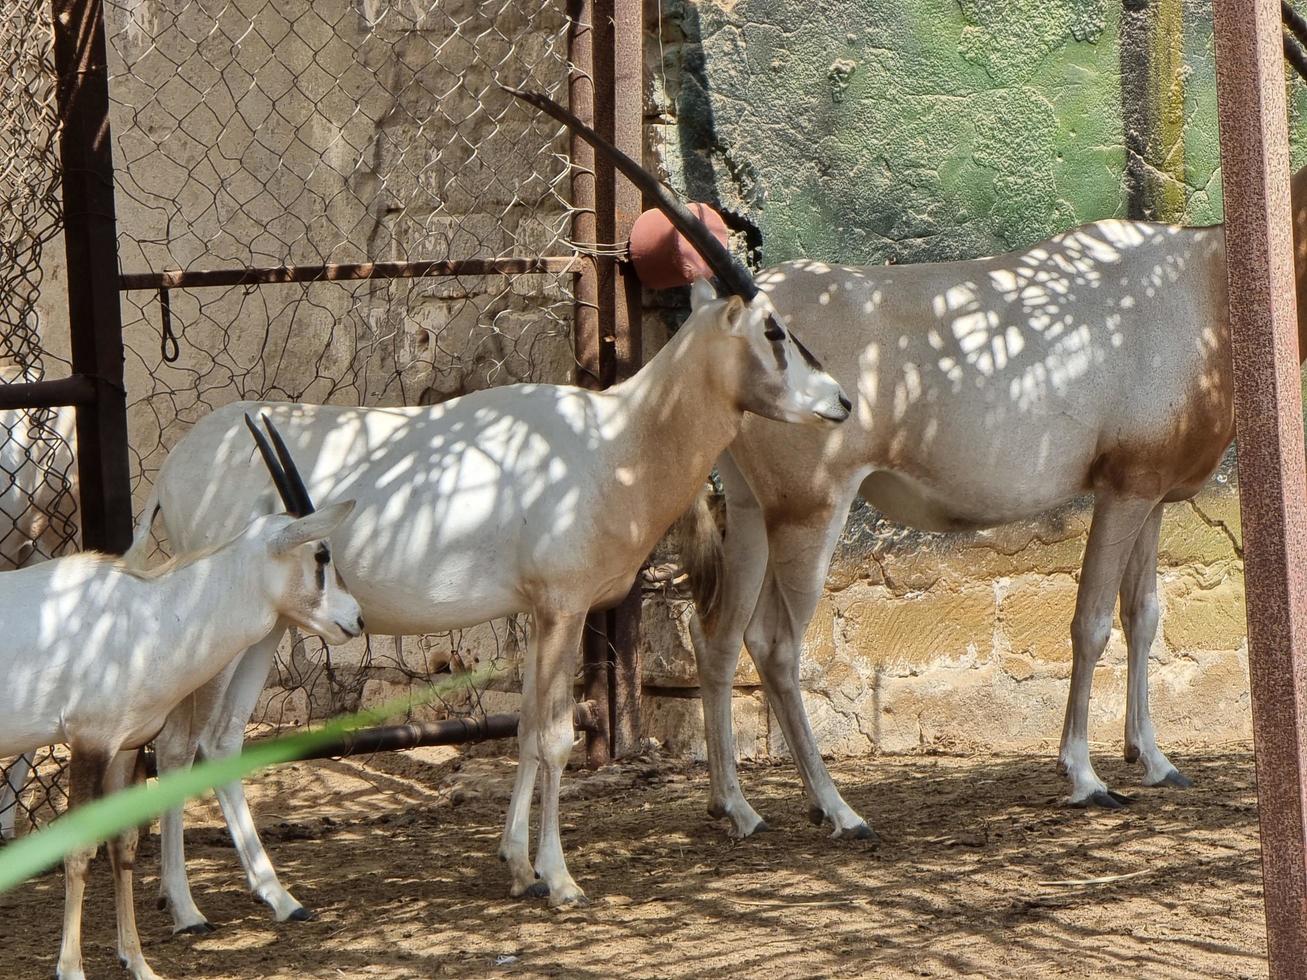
{"x": 871, "y": 131}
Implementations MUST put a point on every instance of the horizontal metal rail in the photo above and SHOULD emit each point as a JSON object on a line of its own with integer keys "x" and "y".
{"x": 335, "y": 272}
{"x": 396, "y": 738}
{"x": 79, "y": 389}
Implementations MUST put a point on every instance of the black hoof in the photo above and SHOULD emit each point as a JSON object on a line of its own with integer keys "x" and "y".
{"x": 302, "y": 914}
{"x": 199, "y": 929}
{"x": 1107, "y": 799}
{"x": 761, "y": 827}
{"x": 862, "y": 831}
{"x": 538, "y": 890}
{"x": 816, "y": 815}
{"x": 1176, "y": 779}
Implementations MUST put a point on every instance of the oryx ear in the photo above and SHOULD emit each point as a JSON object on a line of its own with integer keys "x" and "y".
{"x": 701, "y": 292}
{"x": 735, "y": 315}
{"x": 314, "y": 527}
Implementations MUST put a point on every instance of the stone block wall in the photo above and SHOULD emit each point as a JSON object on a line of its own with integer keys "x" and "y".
{"x": 874, "y": 131}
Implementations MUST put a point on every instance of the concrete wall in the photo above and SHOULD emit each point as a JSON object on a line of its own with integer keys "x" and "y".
{"x": 875, "y": 131}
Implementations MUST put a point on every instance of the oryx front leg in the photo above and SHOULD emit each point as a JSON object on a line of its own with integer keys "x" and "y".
{"x": 515, "y": 848}
{"x": 1139, "y": 616}
{"x": 174, "y": 750}
{"x": 717, "y": 651}
{"x": 799, "y": 554}
{"x": 1116, "y": 525}
{"x": 127, "y": 767}
{"x": 550, "y": 727}
{"x": 224, "y": 737}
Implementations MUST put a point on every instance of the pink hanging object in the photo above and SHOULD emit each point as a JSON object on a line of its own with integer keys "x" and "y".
{"x": 661, "y": 255}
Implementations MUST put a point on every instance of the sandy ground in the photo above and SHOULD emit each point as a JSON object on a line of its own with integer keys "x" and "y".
{"x": 975, "y": 874}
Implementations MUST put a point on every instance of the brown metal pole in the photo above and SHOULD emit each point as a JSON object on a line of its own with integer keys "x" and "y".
{"x": 91, "y": 244}
{"x": 589, "y": 368}
{"x": 1268, "y": 414}
{"x": 628, "y": 136}
{"x": 75, "y": 390}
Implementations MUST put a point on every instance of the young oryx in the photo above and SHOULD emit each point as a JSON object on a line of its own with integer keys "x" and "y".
{"x": 97, "y": 653}
{"x": 527, "y": 498}
{"x": 38, "y": 482}
{"x": 989, "y": 391}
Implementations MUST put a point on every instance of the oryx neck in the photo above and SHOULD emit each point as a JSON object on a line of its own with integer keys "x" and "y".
{"x": 216, "y": 587}
{"x": 682, "y": 410}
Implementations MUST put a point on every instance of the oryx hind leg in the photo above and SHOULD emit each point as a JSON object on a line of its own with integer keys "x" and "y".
{"x": 1117, "y": 524}
{"x": 1139, "y": 617}
{"x": 717, "y": 651}
{"x": 11, "y": 794}
{"x": 799, "y": 553}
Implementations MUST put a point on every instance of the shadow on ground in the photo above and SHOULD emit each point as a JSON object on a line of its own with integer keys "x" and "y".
{"x": 979, "y": 870}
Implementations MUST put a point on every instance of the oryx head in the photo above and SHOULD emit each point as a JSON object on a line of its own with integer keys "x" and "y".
{"x": 308, "y": 590}
{"x": 781, "y": 379}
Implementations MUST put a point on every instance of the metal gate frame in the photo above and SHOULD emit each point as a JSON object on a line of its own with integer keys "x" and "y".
{"x": 604, "y": 42}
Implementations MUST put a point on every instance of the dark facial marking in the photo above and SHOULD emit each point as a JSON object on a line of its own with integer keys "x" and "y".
{"x": 806, "y": 354}
{"x": 776, "y": 334}
{"x": 323, "y": 557}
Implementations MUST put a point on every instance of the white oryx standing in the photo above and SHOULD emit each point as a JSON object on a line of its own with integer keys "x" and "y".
{"x": 988, "y": 391}
{"x": 38, "y": 500}
{"x": 527, "y": 498}
{"x": 96, "y": 653}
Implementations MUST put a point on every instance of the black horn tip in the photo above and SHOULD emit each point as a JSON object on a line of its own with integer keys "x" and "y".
{"x": 303, "y": 504}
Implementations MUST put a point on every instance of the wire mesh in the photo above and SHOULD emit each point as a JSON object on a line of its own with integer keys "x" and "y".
{"x": 258, "y": 134}
{"x": 38, "y": 500}
{"x": 253, "y": 134}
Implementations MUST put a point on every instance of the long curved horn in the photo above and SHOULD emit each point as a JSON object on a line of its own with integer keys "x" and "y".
{"x": 293, "y": 477}
{"x": 730, "y": 272}
{"x": 284, "y": 488}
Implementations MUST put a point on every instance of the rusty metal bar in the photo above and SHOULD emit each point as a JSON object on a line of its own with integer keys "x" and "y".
{"x": 627, "y": 120}
{"x": 397, "y": 738}
{"x": 589, "y": 369}
{"x": 344, "y": 271}
{"x": 91, "y": 244}
{"x": 581, "y": 94}
{"x": 1268, "y": 414}
{"x": 76, "y": 390}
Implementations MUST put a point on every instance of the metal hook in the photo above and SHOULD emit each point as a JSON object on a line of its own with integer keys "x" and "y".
{"x": 169, "y": 348}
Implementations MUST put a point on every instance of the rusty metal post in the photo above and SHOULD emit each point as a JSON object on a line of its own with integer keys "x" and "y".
{"x": 91, "y": 244}
{"x": 586, "y": 343}
{"x": 628, "y": 136}
{"x": 1268, "y": 414}
{"x": 619, "y": 115}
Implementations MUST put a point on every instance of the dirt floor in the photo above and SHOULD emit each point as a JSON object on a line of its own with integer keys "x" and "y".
{"x": 979, "y": 871}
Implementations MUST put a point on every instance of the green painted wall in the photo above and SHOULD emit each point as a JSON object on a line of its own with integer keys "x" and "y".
{"x": 882, "y": 130}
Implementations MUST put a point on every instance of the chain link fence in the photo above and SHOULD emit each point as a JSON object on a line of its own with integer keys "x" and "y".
{"x": 38, "y": 499}
{"x": 274, "y": 138}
